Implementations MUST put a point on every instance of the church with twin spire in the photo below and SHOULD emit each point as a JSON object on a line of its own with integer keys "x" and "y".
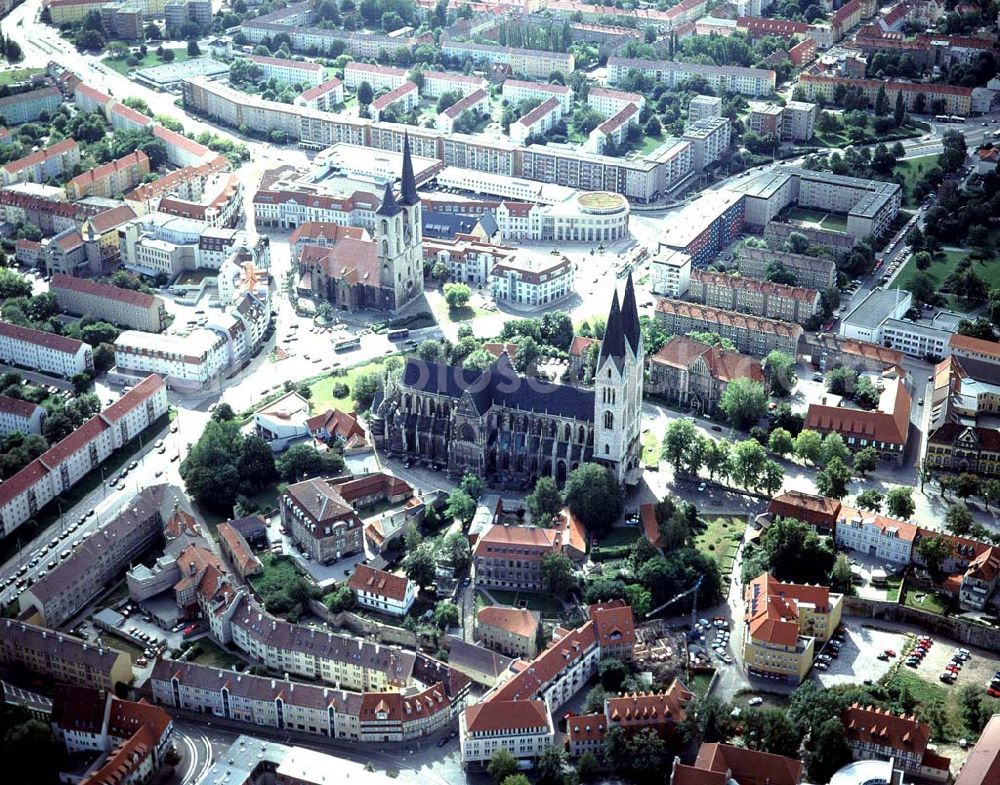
{"x": 383, "y": 272}
{"x": 511, "y": 429}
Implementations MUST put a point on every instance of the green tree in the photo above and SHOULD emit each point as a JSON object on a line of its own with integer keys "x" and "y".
{"x": 223, "y": 413}
{"x": 455, "y": 548}
{"x": 899, "y": 502}
{"x": 934, "y": 550}
{"x": 366, "y": 386}
{"x": 457, "y": 295}
{"x": 832, "y": 479}
{"x": 501, "y": 766}
{"x": 770, "y": 730}
{"x": 587, "y": 767}
{"x": 781, "y": 442}
{"x": 13, "y": 284}
{"x": 461, "y": 506}
{"x": 965, "y": 485}
{"x": 446, "y": 614}
{"x": 473, "y": 485}
{"x": 865, "y": 461}
{"x": 304, "y": 460}
{"x": 544, "y": 502}
{"x": 870, "y": 499}
{"x": 516, "y": 779}
{"x": 744, "y": 402}
{"x": 829, "y": 750}
{"x": 899, "y": 111}
{"x": 419, "y": 566}
{"x": 717, "y": 459}
{"x": 841, "y": 577}
{"x": 340, "y": 599}
{"x": 612, "y": 674}
{"x": 958, "y": 520}
{"x": 833, "y": 447}
{"x": 558, "y": 576}
{"x": 550, "y": 766}
{"x": 780, "y": 370}
{"x": 365, "y": 94}
{"x": 680, "y": 433}
{"x": 594, "y": 496}
{"x": 747, "y": 460}
{"x": 808, "y": 446}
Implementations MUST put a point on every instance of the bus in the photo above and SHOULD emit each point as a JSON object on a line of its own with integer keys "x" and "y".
{"x": 942, "y": 118}
{"x": 398, "y": 335}
{"x": 347, "y": 345}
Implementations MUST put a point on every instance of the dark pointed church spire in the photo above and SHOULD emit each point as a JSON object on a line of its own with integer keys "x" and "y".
{"x": 408, "y": 190}
{"x": 389, "y": 206}
{"x": 630, "y": 317}
{"x": 613, "y": 344}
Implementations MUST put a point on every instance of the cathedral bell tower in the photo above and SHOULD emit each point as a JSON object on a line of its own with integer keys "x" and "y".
{"x": 399, "y": 237}
{"x": 618, "y": 383}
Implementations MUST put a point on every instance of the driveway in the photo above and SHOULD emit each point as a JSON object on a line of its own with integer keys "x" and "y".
{"x": 858, "y": 659}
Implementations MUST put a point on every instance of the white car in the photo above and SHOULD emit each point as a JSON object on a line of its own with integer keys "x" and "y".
{"x": 756, "y": 700}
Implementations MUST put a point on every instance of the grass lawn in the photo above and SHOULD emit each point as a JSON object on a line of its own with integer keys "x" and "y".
{"x": 912, "y": 170}
{"x": 941, "y": 268}
{"x": 925, "y": 601}
{"x": 951, "y": 725}
{"x": 698, "y": 683}
{"x": 892, "y": 588}
{"x": 620, "y": 535}
{"x": 463, "y": 314}
{"x": 835, "y": 223}
{"x": 279, "y": 571}
{"x": 214, "y": 655}
{"x": 150, "y": 59}
{"x": 19, "y": 75}
{"x": 545, "y": 604}
{"x": 649, "y": 143}
{"x": 807, "y": 215}
{"x": 650, "y": 449}
{"x": 322, "y": 390}
{"x": 720, "y": 539}
{"x": 831, "y": 140}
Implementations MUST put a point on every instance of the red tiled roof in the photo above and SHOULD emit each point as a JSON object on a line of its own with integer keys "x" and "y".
{"x": 966, "y": 343}
{"x": 386, "y": 99}
{"x": 145, "y": 389}
{"x": 613, "y": 623}
{"x": 982, "y": 767}
{"x": 806, "y": 507}
{"x": 56, "y": 343}
{"x": 59, "y": 148}
{"x": 772, "y": 608}
{"x": 370, "y": 484}
{"x": 547, "y": 665}
{"x": 379, "y": 582}
{"x": 586, "y": 727}
{"x": 728, "y": 318}
{"x": 540, "y": 111}
{"x": 580, "y": 345}
{"x": 107, "y": 220}
{"x": 17, "y": 407}
{"x": 103, "y": 290}
{"x": 237, "y": 546}
{"x": 518, "y": 621}
{"x": 649, "y": 708}
{"x": 889, "y": 424}
{"x": 135, "y": 158}
{"x": 320, "y": 89}
{"x": 871, "y": 725}
{"x": 503, "y": 715}
{"x": 283, "y": 63}
{"x": 534, "y": 540}
{"x": 743, "y": 283}
{"x": 650, "y": 526}
{"x": 681, "y": 352}
{"x": 748, "y": 766}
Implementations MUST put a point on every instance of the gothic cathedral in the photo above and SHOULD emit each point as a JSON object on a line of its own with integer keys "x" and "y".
{"x": 399, "y": 237}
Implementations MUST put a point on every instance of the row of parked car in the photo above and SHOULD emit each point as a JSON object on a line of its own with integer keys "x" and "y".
{"x": 918, "y": 653}
{"x": 950, "y": 673}
{"x": 831, "y": 650}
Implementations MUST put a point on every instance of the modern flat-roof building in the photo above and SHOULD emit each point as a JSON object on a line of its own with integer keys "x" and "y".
{"x": 710, "y": 138}
{"x": 702, "y": 106}
{"x": 113, "y": 304}
{"x": 864, "y": 323}
{"x": 191, "y": 361}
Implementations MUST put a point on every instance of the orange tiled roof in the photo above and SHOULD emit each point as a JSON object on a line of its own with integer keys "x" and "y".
{"x": 518, "y": 621}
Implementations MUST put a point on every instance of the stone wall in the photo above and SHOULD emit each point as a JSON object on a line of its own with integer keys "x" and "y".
{"x": 383, "y": 633}
{"x": 958, "y": 629}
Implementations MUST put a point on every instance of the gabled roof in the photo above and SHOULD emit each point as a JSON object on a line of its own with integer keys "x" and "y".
{"x": 889, "y": 424}
{"x": 806, "y": 507}
{"x": 872, "y": 725}
{"x": 613, "y": 623}
{"x": 500, "y": 715}
{"x": 748, "y": 766}
{"x": 380, "y": 582}
{"x": 519, "y": 621}
{"x": 982, "y": 767}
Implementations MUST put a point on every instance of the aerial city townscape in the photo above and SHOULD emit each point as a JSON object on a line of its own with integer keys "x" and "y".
{"x": 504, "y": 392}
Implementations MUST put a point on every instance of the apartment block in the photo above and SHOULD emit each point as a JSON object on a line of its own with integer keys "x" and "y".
{"x": 49, "y": 163}
{"x": 437, "y": 83}
{"x": 759, "y": 298}
{"x": 709, "y": 139}
{"x": 537, "y": 122}
{"x": 517, "y": 90}
{"x": 523, "y": 728}
{"x": 379, "y": 77}
{"x": 191, "y": 361}
{"x": 533, "y": 63}
{"x": 19, "y": 416}
{"x": 289, "y": 71}
{"x": 399, "y": 101}
{"x": 43, "y": 351}
{"x": 28, "y": 107}
{"x": 702, "y": 106}
{"x": 811, "y": 272}
{"x": 510, "y": 557}
{"x": 96, "y": 562}
{"x": 109, "y": 303}
{"x": 798, "y": 122}
{"x": 62, "y": 658}
{"x": 324, "y": 97}
{"x": 752, "y": 82}
{"x": 765, "y": 119}
{"x": 477, "y": 102}
{"x": 110, "y": 180}
{"x": 782, "y": 624}
{"x": 917, "y": 96}
{"x": 610, "y": 102}
{"x": 752, "y": 335}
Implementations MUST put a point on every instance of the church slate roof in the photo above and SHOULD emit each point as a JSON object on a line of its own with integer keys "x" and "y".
{"x": 500, "y": 385}
{"x": 630, "y": 316}
{"x": 613, "y": 345}
{"x": 389, "y": 206}
{"x": 408, "y": 195}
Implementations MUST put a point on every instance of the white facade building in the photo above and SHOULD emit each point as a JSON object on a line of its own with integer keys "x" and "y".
{"x": 670, "y": 274}
{"x": 42, "y": 351}
{"x": 190, "y": 361}
{"x": 18, "y": 416}
{"x": 380, "y": 77}
{"x": 877, "y": 536}
{"x": 523, "y": 728}
{"x": 516, "y": 90}
{"x": 533, "y": 279}
{"x": 289, "y": 71}
{"x": 610, "y": 102}
{"x": 437, "y": 83}
{"x": 709, "y": 140}
{"x": 537, "y": 122}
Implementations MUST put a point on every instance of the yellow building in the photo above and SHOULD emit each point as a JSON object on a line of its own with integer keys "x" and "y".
{"x": 781, "y": 625}
{"x": 71, "y": 11}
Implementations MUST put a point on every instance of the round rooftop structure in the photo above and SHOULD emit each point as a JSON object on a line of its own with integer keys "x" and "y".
{"x": 602, "y": 202}
{"x": 864, "y": 772}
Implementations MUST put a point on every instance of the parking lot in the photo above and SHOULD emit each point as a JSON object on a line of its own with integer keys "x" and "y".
{"x": 858, "y": 660}
{"x": 978, "y": 670}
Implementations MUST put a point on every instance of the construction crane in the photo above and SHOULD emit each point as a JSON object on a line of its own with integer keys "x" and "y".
{"x": 694, "y": 606}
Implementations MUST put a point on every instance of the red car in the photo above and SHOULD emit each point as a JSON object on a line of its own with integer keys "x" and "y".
{"x": 993, "y": 693}
{"x": 189, "y": 629}
{"x": 890, "y": 652}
